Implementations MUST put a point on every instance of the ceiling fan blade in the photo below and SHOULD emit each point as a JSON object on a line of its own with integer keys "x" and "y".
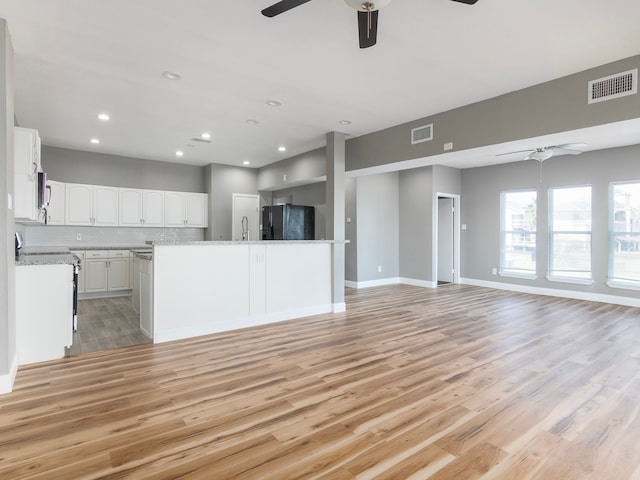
{"x": 531, "y": 150}
{"x": 565, "y": 151}
{"x": 468, "y": 2}
{"x": 281, "y": 7}
{"x": 569, "y": 146}
{"x": 368, "y": 28}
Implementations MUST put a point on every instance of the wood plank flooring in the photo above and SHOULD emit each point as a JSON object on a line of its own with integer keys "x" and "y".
{"x": 457, "y": 382}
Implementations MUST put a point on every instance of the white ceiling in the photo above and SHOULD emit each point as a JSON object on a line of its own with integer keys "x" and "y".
{"x": 77, "y": 58}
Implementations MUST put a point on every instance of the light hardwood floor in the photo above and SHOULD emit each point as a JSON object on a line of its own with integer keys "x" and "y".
{"x": 455, "y": 383}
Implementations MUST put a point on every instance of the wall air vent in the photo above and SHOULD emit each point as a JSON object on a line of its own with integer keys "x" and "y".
{"x": 422, "y": 134}
{"x": 613, "y": 86}
{"x": 201, "y": 140}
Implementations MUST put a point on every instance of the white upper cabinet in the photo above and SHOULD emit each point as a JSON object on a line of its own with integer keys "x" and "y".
{"x": 185, "y": 209}
{"x": 27, "y": 164}
{"x": 153, "y": 208}
{"x": 141, "y": 208}
{"x": 131, "y": 214}
{"x": 91, "y": 205}
{"x": 55, "y": 210}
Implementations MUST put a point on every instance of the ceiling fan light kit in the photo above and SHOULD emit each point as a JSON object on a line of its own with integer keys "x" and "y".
{"x": 543, "y": 153}
{"x": 367, "y": 15}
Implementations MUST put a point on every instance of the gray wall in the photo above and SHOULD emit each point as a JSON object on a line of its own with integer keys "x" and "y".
{"x": 222, "y": 181}
{"x": 76, "y": 166}
{"x": 556, "y": 106}
{"x": 313, "y": 195}
{"x": 378, "y": 217}
{"x": 7, "y": 263}
{"x": 416, "y": 218}
{"x": 300, "y": 169}
{"x": 447, "y": 180}
{"x": 481, "y": 189}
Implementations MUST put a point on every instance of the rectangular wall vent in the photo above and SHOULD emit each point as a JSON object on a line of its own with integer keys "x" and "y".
{"x": 613, "y": 86}
{"x": 422, "y": 134}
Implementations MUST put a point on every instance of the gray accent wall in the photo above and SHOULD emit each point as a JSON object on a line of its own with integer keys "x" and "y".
{"x": 76, "y": 166}
{"x": 222, "y": 181}
{"x": 378, "y": 226}
{"x": 416, "y": 223}
{"x": 481, "y": 189}
{"x": 7, "y": 261}
{"x": 298, "y": 170}
{"x": 556, "y": 106}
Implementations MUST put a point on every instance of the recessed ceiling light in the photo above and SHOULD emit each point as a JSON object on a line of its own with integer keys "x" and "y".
{"x": 251, "y": 121}
{"x": 246, "y": 162}
{"x": 345, "y": 122}
{"x": 282, "y": 148}
{"x": 171, "y": 75}
{"x": 273, "y": 103}
{"x": 206, "y": 135}
{"x": 104, "y": 116}
{"x": 179, "y": 153}
{"x": 94, "y": 140}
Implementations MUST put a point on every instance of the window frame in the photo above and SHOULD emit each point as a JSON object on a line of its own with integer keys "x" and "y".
{"x": 613, "y": 282}
{"x": 551, "y": 233}
{"x": 503, "y": 271}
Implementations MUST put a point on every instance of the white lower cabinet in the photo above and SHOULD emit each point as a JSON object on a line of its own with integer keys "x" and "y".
{"x": 107, "y": 271}
{"x": 44, "y": 312}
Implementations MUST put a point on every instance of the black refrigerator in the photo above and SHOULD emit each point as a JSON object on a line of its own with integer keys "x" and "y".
{"x": 288, "y": 222}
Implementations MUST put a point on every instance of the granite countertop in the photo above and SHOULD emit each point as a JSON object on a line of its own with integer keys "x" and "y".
{"x": 46, "y": 256}
{"x": 244, "y": 242}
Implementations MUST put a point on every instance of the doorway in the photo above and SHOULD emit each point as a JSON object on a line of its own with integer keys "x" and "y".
{"x": 245, "y": 223}
{"x": 447, "y": 252}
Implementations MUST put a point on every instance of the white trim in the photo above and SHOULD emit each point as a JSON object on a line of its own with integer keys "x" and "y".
{"x": 524, "y": 276}
{"x": 238, "y": 323}
{"x": 7, "y": 380}
{"x": 418, "y": 283}
{"x": 377, "y": 283}
{"x": 350, "y": 284}
{"x": 573, "y": 280}
{"x": 553, "y": 292}
{"x": 339, "y": 307}
{"x": 629, "y": 285}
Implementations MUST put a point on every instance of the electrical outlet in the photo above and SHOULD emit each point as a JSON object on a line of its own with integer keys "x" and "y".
{"x": 494, "y": 271}
{"x": 379, "y": 268}
{"x": 79, "y": 236}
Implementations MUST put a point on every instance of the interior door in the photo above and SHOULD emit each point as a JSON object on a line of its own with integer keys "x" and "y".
{"x": 445, "y": 240}
{"x": 245, "y": 223}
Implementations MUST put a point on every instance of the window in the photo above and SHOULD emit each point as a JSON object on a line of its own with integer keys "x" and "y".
{"x": 624, "y": 234}
{"x": 518, "y": 233}
{"x": 570, "y": 234}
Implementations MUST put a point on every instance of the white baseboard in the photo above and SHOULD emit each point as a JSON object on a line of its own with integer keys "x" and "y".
{"x": 339, "y": 307}
{"x": 372, "y": 283}
{"x": 7, "y": 380}
{"x": 554, "y": 292}
{"x": 419, "y": 283}
{"x": 237, "y": 323}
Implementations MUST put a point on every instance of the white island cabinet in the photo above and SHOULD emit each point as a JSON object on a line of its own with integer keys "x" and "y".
{"x": 44, "y": 311}
{"x": 208, "y": 287}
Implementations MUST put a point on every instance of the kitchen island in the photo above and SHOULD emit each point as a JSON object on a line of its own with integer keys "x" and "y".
{"x": 207, "y": 287}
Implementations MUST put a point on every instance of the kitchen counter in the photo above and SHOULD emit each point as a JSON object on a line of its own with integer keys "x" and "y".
{"x": 46, "y": 256}
{"x": 243, "y": 242}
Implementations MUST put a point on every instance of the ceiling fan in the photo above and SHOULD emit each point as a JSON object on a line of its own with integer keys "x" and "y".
{"x": 543, "y": 153}
{"x": 367, "y": 15}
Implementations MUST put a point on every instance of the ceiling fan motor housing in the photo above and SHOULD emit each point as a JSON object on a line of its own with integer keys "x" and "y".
{"x": 366, "y": 6}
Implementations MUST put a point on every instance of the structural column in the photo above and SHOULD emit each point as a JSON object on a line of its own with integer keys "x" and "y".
{"x": 336, "y": 214}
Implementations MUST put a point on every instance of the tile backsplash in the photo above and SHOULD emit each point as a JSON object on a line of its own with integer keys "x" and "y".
{"x": 52, "y": 235}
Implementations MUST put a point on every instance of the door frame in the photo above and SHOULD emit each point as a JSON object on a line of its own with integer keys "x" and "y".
{"x": 456, "y": 237}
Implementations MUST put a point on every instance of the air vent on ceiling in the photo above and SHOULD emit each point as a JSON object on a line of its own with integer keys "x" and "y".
{"x": 613, "y": 86}
{"x": 422, "y": 134}
{"x": 201, "y": 140}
